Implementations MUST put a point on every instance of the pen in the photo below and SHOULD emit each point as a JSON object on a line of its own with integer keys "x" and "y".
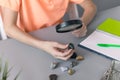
{"x": 108, "y": 45}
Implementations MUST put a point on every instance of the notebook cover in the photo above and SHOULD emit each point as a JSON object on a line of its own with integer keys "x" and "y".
{"x": 111, "y": 26}
{"x": 98, "y": 36}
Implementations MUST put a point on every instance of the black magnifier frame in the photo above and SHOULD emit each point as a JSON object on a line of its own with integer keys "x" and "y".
{"x": 68, "y": 26}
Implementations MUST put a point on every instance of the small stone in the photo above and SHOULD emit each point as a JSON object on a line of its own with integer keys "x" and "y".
{"x": 63, "y": 69}
{"x": 73, "y": 56}
{"x": 71, "y": 71}
{"x": 53, "y": 77}
{"x": 78, "y": 58}
{"x": 73, "y": 64}
{"x": 71, "y": 46}
{"x": 54, "y": 65}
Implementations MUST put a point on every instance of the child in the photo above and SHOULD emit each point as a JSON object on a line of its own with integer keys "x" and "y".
{"x": 22, "y": 16}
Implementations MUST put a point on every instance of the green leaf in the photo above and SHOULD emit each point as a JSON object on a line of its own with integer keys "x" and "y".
{"x": 5, "y": 71}
{"x": 16, "y": 77}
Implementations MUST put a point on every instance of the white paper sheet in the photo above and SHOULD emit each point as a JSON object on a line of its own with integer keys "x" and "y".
{"x": 98, "y": 37}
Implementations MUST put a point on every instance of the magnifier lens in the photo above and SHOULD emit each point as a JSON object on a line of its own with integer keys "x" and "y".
{"x": 71, "y": 27}
{"x": 68, "y": 26}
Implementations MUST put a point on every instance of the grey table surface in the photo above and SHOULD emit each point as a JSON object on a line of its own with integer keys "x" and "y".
{"x": 34, "y": 64}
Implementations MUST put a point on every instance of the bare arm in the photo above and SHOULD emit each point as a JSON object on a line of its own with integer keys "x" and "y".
{"x": 89, "y": 11}
{"x": 9, "y": 20}
{"x": 88, "y": 14}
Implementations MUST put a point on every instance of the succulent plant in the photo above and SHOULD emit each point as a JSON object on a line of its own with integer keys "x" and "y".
{"x": 4, "y": 71}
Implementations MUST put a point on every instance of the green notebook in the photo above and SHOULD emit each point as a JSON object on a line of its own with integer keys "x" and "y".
{"x": 111, "y": 26}
{"x": 101, "y": 42}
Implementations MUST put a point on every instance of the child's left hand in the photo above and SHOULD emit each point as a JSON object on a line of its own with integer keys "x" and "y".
{"x": 80, "y": 32}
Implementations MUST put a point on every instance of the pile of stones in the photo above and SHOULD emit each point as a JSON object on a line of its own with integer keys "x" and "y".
{"x": 75, "y": 61}
{"x": 68, "y": 68}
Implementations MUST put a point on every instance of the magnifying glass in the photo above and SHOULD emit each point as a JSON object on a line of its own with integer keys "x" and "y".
{"x": 68, "y": 26}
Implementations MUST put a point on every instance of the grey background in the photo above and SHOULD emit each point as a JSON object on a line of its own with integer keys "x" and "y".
{"x": 106, "y": 4}
{"x": 101, "y": 6}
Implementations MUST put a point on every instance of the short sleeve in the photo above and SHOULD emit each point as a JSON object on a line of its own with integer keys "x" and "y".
{"x": 77, "y": 1}
{"x": 12, "y": 4}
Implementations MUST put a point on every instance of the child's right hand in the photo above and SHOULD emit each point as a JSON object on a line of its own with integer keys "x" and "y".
{"x": 57, "y": 50}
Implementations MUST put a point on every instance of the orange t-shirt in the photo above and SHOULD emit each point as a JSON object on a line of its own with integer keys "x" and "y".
{"x": 36, "y": 14}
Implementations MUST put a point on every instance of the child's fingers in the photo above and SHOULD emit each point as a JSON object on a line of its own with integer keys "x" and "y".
{"x": 66, "y": 55}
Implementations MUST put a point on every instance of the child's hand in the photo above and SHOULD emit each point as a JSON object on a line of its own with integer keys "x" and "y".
{"x": 80, "y": 32}
{"x": 57, "y": 50}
